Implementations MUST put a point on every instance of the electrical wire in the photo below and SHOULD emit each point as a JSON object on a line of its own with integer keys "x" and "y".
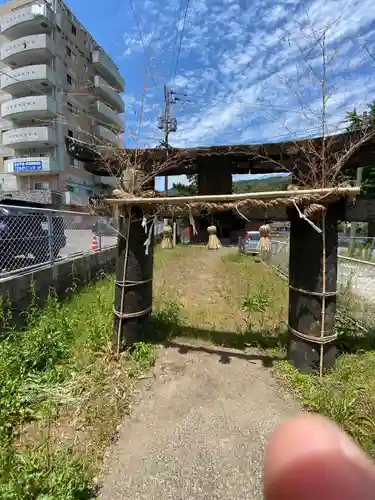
{"x": 181, "y": 38}
{"x": 176, "y": 37}
{"x": 142, "y": 42}
{"x": 240, "y": 101}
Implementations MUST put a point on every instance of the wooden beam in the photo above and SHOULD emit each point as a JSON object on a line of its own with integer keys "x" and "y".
{"x": 227, "y": 198}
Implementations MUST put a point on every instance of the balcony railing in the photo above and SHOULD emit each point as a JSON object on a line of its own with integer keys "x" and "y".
{"x": 18, "y": 81}
{"x": 107, "y": 69}
{"x": 38, "y": 48}
{"x": 31, "y": 19}
{"x": 105, "y": 135}
{"x": 107, "y": 94}
{"x": 31, "y": 107}
{"x": 104, "y": 113}
{"x": 26, "y": 137}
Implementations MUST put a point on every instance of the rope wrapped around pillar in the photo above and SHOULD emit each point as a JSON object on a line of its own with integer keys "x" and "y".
{"x": 213, "y": 240}
{"x": 313, "y": 288}
{"x": 134, "y": 270}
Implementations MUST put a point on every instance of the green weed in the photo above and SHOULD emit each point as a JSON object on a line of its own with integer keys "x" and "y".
{"x": 58, "y": 377}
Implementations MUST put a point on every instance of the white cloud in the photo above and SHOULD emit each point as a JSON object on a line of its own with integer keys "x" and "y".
{"x": 251, "y": 69}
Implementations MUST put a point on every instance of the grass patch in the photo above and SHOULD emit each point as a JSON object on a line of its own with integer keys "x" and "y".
{"x": 347, "y": 393}
{"x": 62, "y": 396}
{"x": 222, "y": 298}
{"x": 232, "y": 300}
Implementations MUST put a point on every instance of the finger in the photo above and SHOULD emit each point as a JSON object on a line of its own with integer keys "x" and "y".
{"x": 310, "y": 458}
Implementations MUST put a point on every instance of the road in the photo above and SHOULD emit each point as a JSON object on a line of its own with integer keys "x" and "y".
{"x": 360, "y": 277}
{"x": 357, "y": 276}
{"x": 77, "y": 242}
{"x": 81, "y": 241}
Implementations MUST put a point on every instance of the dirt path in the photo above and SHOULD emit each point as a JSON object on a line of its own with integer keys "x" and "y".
{"x": 198, "y": 427}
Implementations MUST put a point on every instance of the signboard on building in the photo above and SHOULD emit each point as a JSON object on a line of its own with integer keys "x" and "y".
{"x": 27, "y": 166}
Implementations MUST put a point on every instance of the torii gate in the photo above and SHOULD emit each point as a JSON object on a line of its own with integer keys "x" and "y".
{"x": 313, "y": 256}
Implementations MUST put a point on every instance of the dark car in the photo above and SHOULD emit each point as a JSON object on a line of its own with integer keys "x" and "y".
{"x": 25, "y": 236}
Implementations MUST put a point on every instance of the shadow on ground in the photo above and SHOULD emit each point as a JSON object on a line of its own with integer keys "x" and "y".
{"x": 225, "y": 344}
{"x": 225, "y": 355}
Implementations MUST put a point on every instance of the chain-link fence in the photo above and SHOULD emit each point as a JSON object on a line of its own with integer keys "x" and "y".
{"x": 280, "y": 256}
{"x": 354, "y": 274}
{"x": 32, "y": 237}
{"x": 359, "y": 247}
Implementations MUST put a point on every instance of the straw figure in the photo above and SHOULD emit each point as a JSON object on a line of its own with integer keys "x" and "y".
{"x": 265, "y": 242}
{"x": 167, "y": 241}
{"x": 213, "y": 240}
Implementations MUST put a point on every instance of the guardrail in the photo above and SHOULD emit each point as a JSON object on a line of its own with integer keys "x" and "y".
{"x": 357, "y": 274}
{"x": 34, "y": 237}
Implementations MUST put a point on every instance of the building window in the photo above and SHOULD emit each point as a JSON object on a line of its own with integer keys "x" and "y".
{"x": 41, "y": 186}
{"x": 86, "y": 68}
{"x": 74, "y": 29}
{"x": 69, "y": 79}
{"x": 71, "y": 54}
{"x": 75, "y": 163}
{"x": 70, "y": 133}
{"x": 73, "y": 109}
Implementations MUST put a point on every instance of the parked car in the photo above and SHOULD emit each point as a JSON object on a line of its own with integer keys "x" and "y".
{"x": 24, "y": 234}
{"x": 249, "y": 243}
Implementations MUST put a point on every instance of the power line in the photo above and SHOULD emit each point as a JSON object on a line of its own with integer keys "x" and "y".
{"x": 201, "y": 100}
{"x": 181, "y": 38}
{"x": 142, "y": 42}
{"x": 177, "y": 25}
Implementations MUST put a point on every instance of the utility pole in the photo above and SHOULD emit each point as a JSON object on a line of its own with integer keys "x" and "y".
{"x": 167, "y": 124}
{"x": 167, "y": 107}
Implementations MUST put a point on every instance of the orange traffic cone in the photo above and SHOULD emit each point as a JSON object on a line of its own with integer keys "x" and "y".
{"x": 94, "y": 243}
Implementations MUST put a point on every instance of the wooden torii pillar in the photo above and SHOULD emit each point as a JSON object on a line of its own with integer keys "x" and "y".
{"x": 311, "y": 301}
{"x": 214, "y": 177}
{"x": 134, "y": 276}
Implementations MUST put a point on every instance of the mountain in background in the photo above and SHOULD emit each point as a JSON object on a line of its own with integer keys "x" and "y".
{"x": 276, "y": 183}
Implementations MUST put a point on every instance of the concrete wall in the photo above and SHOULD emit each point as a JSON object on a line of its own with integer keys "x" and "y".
{"x": 62, "y": 278}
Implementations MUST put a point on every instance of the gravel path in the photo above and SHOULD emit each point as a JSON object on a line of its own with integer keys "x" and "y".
{"x": 199, "y": 425}
{"x": 199, "y": 429}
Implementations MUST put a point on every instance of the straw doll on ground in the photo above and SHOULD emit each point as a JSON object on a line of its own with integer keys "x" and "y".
{"x": 167, "y": 241}
{"x": 265, "y": 243}
{"x": 213, "y": 240}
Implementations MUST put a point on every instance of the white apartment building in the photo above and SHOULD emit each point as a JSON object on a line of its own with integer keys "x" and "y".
{"x": 55, "y": 81}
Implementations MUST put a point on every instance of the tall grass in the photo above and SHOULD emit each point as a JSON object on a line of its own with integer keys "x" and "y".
{"x": 62, "y": 396}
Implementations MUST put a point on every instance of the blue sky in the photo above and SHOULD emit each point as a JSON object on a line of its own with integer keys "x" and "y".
{"x": 248, "y": 70}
